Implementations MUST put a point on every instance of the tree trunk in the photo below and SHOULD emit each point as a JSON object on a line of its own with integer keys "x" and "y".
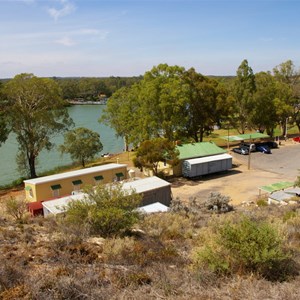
{"x": 31, "y": 162}
{"x": 83, "y": 162}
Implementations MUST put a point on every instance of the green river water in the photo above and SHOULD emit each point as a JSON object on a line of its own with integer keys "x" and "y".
{"x": 83, "y": 116}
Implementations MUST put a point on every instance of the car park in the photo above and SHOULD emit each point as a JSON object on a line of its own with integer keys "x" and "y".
{"x": 270, "y": 144}
{"x": 263, "y": 148}
{"x": 250, "y": 147}
{"x": 241, "y": 150}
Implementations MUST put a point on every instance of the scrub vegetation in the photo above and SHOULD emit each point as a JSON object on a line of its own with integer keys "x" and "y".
{"x": 248, "y": 253}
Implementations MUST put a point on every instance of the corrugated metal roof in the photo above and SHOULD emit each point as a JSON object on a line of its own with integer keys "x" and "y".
{"x": 145, "y": 184}
{"x": 285, "y": 194}
{"x": 198, "y": 150}
{"x": 57, "y": 206}
{"x": 244, "y": 137}
{"x": 74, "y": 173}
{"x": 208, "y": 158}
{"x": 276, "y": 186}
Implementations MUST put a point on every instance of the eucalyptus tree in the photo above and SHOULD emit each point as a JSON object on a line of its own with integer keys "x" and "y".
{"x": 122, "y": 113}
{"x": 35, "y": 112}
{"x": 4, "y": 129}
{"x": 151, "y": 152}
{"x": 288, "y": 79}
{"x": 82, "y": 144}
{"x": 264, "y": 113}
{"x": 163, "y": 101}
{"x": 205, "y": 104}
{"x": 154, "y": 107}
{"x": 242, "y": 96}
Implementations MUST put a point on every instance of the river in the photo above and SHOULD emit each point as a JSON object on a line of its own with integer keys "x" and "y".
{"x": 83, "y": 116}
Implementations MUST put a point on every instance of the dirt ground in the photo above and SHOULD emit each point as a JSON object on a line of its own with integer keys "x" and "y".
{"x": 239, "y": 183}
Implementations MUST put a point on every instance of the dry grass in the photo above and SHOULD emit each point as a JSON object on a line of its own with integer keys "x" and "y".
{"x": 42, "y": 260}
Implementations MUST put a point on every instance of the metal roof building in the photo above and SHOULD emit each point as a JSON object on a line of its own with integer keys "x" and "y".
{"x": 153, "y": 190}
{"x": 75, "y": 173}
{"x": 202, "y": 149}
{"x": 206, "y": 165}
{"x": 284, "y": 196}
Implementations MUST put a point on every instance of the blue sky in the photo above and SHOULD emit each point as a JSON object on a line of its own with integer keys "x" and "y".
{"x": 129, "y": 37}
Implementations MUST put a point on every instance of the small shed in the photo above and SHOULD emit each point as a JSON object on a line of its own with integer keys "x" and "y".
{"x": 153, "y": 190}
{"x": 206, "y": 165}
{"x": 195, "y": 150}
{"x": 284, "y": 196}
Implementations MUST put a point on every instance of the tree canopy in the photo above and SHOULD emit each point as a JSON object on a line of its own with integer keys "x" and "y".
{"x": 151, "y": 152}
{"x": 35, "y": 112}
{"x": 82, "y": 144}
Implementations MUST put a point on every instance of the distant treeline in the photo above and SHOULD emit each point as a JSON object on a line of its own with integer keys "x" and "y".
{"x": 97, "y": 88}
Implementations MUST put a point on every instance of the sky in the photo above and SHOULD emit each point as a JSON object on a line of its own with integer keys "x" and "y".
{"x": 98, "y": 38}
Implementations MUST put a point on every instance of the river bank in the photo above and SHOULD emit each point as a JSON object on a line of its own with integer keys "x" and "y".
{"x": 83, "y": 116}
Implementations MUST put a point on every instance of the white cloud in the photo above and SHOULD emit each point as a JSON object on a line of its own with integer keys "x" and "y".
{"x": 67, "y": 8}
{"x": 66, "y": 41}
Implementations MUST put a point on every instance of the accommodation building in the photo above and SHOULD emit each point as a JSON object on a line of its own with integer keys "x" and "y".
{"x": 153, "y": 189}
{"x": 63, "y": 184}
{"x": 188, "y": 152}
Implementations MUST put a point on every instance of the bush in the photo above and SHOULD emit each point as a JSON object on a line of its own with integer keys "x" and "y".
{"x": 106, "y": 210}
{"x": 218, "y": 202}
{"x": 262, "y": 202}
{"x": 246, "y": 247}
{"x": 16, "y": 208}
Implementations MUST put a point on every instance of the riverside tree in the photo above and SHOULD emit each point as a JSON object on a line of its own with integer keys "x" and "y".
{"x": 35, "y": 112}
{"x": 82, "y": 144}
{"x": 151, "y": 152}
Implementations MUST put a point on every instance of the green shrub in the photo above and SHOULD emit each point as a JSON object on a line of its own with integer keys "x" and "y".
{"x": 106, "y": 210}
{"x": 262, "y": 202}
{"x": 16, "y": 208}
{"x": 246, "y": 247}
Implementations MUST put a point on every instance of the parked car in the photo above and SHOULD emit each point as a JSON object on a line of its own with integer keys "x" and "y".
{"x": 296, "y": 139}
{"x": 263, "y": 148}
{"x": 249, "y": 146}
{"x": 241, "y": 150}
{"x": 269, "y": 144}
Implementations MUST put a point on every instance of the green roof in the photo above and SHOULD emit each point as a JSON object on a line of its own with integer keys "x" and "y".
{"x": 198, "y": 150}
{"x": 246, "y": 136}
{"x": 276, "y": 186}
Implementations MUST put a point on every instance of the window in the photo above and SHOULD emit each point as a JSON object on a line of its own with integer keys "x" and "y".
{"x": 119, "y": 176}
{"x": 55, "y": 190}
{"x": 98, "y": 179}
{"x": 76, "y": 185}
{"x": 30, "y": 191}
